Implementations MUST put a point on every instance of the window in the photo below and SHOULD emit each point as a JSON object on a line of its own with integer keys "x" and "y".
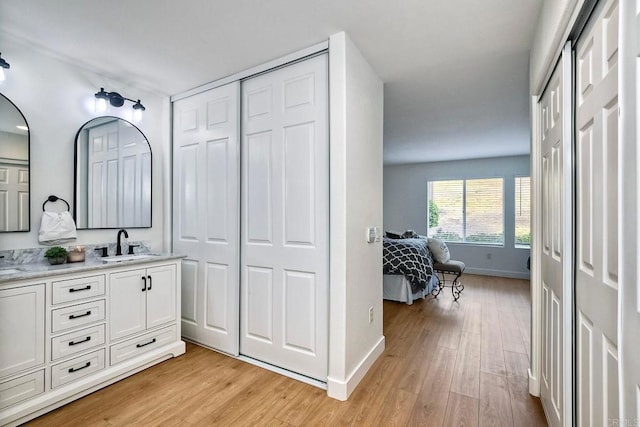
{"x": 523, "y": 211}
{"x": 467, "y": 211}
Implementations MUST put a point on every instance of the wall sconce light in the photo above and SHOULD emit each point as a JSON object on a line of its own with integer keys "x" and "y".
{"x": 3, "y": 65}
{"x": 117, "y": 100}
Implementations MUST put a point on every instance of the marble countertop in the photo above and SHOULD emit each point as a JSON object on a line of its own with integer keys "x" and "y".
{"x": 44, "y": 269}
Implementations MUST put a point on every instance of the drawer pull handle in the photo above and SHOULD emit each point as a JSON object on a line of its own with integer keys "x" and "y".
{"x": 144, "y": 280}
{"x": 79, "y": 342}
{"x": 86, "y": 288}
{"x": 149, "y": 288}
{"x": 145, "y": 344}
{"x": 75, "y": 316}
{"x": 86, "y": 365}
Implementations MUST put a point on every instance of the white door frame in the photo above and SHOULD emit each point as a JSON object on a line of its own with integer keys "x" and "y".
{"x": 629, "y": 156}
{"x": 567, "y": 241}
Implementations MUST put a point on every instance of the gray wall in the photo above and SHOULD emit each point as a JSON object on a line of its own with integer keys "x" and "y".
{"x": 405, "y": 207}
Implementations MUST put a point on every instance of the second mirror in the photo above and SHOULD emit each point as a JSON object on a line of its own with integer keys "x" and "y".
{"x": 112, "y": 175}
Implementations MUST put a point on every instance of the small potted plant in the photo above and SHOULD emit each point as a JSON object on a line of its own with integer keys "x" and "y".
{"x": 56, "y": 255}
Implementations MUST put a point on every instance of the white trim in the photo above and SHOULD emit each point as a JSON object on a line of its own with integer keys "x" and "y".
{"x": 496, "y": 273}
{"x": 536, "y": 236}
{"x": 14, "y": 162}
{"x": 567, "y": 238}
{"x": 341, "y": 390}
{"x": 534, "y": 384}
{"x": 312, "y": 50}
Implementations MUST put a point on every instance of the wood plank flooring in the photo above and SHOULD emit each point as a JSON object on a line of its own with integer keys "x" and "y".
{"x": 445, "y": 363}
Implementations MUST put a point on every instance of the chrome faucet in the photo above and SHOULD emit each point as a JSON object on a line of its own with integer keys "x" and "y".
{"x": 119, "y": 248}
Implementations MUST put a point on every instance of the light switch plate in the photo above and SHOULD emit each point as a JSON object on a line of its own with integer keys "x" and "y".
{"x": 371, "y": 234}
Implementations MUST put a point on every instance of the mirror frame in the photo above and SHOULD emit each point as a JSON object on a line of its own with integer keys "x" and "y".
{"x": 75, "y": 177}
{"x": 29, "y": 161}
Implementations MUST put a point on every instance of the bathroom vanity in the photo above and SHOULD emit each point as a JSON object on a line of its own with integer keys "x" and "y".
{"x": 72, "y": 329}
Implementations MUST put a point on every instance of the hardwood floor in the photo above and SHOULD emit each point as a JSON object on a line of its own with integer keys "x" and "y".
{"x": 445, "y": 363}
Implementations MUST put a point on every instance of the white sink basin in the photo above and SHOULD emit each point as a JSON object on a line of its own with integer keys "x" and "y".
{"x": 4, "y": 271}
{"x": 123, "y": 258}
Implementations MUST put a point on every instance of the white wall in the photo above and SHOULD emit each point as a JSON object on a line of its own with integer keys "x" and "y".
{"x": 14, "y": 146}
{"x": 56, "y": 98}
{"x": 555, "y": 20}
{"x": 356, "y": 115}
{"x": 405, "y": 207}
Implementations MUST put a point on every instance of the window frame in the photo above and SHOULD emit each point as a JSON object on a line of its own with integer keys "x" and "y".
{"x": 464, "y": 210}
{"x": 515, "y": 243}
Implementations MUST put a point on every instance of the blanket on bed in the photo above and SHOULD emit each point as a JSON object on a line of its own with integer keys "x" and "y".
{"x": 410, "y": 257}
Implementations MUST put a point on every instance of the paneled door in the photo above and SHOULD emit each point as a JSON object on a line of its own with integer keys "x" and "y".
{"x": 206, "y": 214}
{"x": 14, "y": 197}
{"x": 285, "y": 218}
{"x": 103, "y": 176}
{"x": 555, "y": 140}
{"x": 597, "y": 231}
{"x": 119, "y": 187}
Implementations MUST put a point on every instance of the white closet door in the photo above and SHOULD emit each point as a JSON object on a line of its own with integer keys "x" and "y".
{"x": 597, "y": 148}
{"x": 285, "y": 209}
{"x": 555, "y": 140}
{"x": 206, "y": 214}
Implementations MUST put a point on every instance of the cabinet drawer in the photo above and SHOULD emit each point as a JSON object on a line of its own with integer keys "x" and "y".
{"x": 133, "y": 347}
{"x": 77, "y": 289}
{"x": 75, "y": 342}
{"x": 79, "y": 367}
{"x": 77, "y": 315}
{"x": 21, "y": 388}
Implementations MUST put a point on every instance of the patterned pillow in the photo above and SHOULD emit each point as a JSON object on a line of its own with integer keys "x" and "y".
{"x": 439, "y": 250}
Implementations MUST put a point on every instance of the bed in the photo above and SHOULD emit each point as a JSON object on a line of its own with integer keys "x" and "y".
{"x": 408, "y": 269}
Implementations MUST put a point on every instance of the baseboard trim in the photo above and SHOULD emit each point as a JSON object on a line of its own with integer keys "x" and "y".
{"x": 534, "y": 384}
{"x": 496, "y": 273}
{"x": 341, "y": 390}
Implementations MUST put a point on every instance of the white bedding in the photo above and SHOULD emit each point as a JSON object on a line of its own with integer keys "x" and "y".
{"x": 396, "y": 287}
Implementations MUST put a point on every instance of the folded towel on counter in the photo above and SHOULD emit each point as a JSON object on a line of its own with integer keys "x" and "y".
{"x": 57, "y": 228}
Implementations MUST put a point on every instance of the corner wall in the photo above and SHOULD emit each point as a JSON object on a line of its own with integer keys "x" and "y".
{"x": 356, "y": 115}
{"x": 405, "y": 207}
{"x": 56, "y": 98}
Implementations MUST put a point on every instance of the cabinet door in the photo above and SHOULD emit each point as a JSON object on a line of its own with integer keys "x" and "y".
{"x": 21, "y": 328}
{"x": 127, "y": 311}
{"x": 161, "y": 295}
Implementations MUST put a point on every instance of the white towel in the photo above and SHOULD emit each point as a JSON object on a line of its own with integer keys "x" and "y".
{"x": 57, "y": 228}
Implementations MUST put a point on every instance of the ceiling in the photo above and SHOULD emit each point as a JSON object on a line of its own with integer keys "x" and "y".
{"x": 455, "y": 71}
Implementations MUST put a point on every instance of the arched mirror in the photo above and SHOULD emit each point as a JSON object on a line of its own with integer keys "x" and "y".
{"x": 113, "y": 175}
{"x": 14, "y": 168}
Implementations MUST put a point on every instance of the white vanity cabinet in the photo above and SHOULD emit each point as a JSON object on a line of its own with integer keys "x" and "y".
{"x": 141, "y": 299}
{"x": 22, "y": 343}
{"x": 22, "y": 329}
{"x": 67, "y": 333}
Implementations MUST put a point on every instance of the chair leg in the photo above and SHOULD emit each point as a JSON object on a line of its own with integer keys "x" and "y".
{"x": 456, "y": 287}
{"x": 436, "y": 291}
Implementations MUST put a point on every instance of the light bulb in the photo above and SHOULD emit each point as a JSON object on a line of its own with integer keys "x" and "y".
{"x": 101, "y": 105}
{"x": 137, "y": 115}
